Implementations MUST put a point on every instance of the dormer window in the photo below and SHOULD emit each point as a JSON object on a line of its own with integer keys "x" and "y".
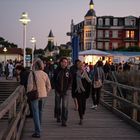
{"x": 115, "y": 22}
{"x": 130, "y": 21}
{"x": 107, "y": 21}
{"x": 100, "y": 22}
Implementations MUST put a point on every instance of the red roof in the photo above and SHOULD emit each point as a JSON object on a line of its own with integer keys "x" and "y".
{"x": 12, "y": 51}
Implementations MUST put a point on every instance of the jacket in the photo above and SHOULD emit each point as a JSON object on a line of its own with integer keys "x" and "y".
{"x": 62, "y": 80}
{"x": 42, "y": 81}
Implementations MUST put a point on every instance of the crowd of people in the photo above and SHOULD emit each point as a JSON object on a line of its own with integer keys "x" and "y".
{"x": 79, "y": 80}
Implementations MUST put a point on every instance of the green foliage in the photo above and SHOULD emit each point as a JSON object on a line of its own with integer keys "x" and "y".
{"x": 7, "y": 44}
{"x": 28, "y": 51}
{"x": 65, "y": 52}
{"x": 39, "y": 51}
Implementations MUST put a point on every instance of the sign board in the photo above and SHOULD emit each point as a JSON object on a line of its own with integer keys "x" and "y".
{"x": 28, "y": 58}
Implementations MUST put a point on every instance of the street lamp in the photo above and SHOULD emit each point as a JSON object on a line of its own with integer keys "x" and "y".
{"x": 5, "y": 50}
{"x": 24, "y": 20}
{"x": 33, "y": 41}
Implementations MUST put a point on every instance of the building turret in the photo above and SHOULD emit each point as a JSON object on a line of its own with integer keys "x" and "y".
{"x": 90, "y": 28}
{"x": 50, "y": 45}
{"x": 91, "y": 11}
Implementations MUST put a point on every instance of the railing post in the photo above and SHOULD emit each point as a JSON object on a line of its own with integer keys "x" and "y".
{"x": 12, "y": 112}
{"x": 114, "y": 104}
{"x": 135, "y": 101}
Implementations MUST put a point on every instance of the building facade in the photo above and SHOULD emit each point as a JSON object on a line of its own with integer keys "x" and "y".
{"x": 106, "y": 32}
{"x": 116, "y": 32}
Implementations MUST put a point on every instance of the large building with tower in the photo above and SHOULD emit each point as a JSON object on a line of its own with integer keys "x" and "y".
{"x": 106, "y": 32}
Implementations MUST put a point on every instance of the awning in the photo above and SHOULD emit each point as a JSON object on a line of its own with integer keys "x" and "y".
{"x": 95, "y": 52}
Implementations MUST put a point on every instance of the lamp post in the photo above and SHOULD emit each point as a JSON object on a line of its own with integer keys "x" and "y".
{"x": 33, "y": 41}
{"x": 24, "y": 20}
{"x": 5, "y": 50}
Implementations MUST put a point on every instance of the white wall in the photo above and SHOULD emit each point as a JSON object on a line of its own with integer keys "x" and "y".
{"x": 9, "y": 56}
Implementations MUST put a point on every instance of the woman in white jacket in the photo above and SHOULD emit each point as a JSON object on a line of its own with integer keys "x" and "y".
{"x": 43, "y": 88}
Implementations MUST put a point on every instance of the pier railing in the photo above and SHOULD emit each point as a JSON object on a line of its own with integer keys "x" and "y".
{"x": 126, "y": 106}
{"x": 12, "y": 115}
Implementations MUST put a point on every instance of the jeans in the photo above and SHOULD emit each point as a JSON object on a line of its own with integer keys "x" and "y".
{"x": 81, "y": 99}
{"x": 96, "y": 93}
{"x": 37, "y": 114}
{"x": 61, "y": 111}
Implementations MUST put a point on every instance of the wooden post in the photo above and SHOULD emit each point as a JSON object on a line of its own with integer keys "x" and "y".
{"x": 12, "y": 111}
{"x": 114, "y": 104}
{"x": 135, "y": 101}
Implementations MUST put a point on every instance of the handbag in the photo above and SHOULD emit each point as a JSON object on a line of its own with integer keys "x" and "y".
{"x": 97, "y": 83}
{"x": 33, "y": 94}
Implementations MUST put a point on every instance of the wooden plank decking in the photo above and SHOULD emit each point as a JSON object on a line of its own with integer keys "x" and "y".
{"x": 98, "y": 125}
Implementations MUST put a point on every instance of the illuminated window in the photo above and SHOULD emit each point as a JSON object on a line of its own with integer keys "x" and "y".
{"x": 132, "y": 34}
{"x": 127, "y": 34}
{"x": 88, "y": 33}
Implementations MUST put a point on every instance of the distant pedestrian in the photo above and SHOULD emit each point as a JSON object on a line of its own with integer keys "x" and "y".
{"x": 6, "y": 71}
{"x": 11, "y": 70}
{"x": 81, "y": 86}
{"x": 43, "y": 87}
{"x": 97, "y": 83}
{"x": 62, "y": 81}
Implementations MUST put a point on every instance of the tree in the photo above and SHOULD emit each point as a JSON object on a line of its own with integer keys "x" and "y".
{"x": 39, "y": 51}
{"x": 7, "y": 44}
{"x": 65, "y": 52}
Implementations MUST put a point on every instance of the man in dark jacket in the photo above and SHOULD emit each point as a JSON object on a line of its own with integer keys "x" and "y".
{"x": 62, "y": 83}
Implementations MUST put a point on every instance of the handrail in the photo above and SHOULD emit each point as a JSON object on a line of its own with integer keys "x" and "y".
{"x": 113, "y": 78}
{"x": 118, "y": 103}
{"x": 16, "y": 108}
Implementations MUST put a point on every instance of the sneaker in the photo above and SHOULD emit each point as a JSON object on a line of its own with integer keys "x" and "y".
{"x": 93, "y": 107}
{"x": 35, "y": 135}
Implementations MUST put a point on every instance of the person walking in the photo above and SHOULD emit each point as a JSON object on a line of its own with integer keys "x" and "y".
{"x": 73, "y": 70}
{"x": 62, "y": 81}
{"x": 81, "y": 86}
{"x": 11, "y": 70}
{"x": 97, "y": 82}
{"x": 43, "y": 88}
{"x": 22, "y": 74}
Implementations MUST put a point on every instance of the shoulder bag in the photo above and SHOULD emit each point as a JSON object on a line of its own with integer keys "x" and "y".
{"x": 33, "y": 94}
